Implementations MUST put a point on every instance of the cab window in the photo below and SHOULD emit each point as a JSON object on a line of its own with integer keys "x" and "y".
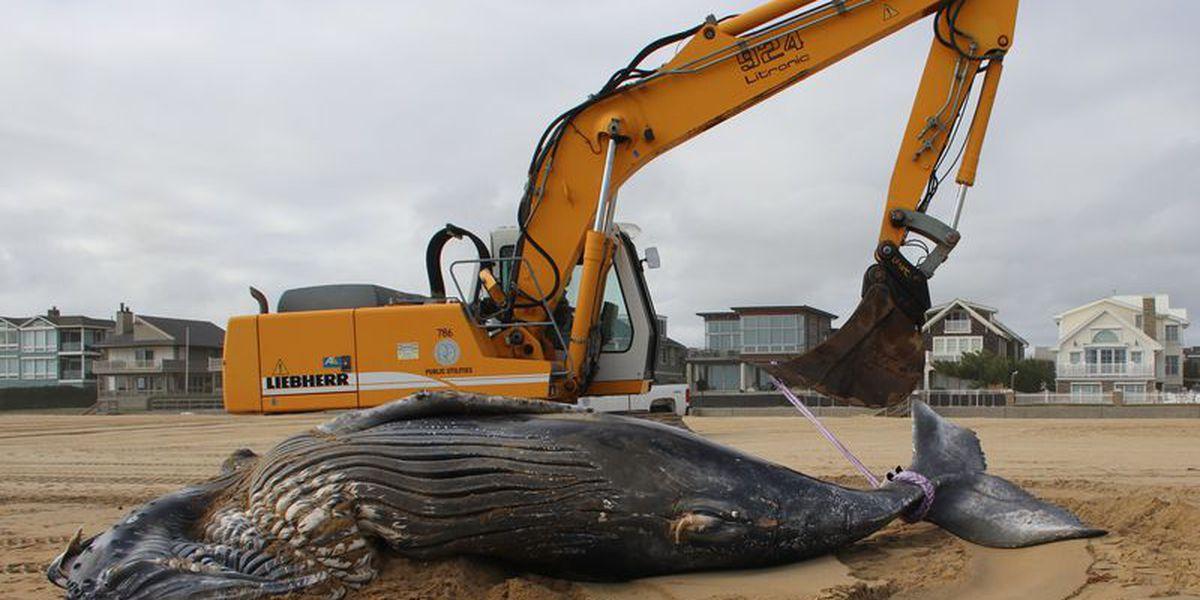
{"x": 616, "y": 328}
{"x": 506, "y": 267}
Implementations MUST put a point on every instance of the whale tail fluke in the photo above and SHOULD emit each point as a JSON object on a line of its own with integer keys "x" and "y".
{"x": 978, "y": 507}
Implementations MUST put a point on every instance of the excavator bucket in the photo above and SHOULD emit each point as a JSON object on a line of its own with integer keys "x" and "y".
{"x": 876, "y": 358}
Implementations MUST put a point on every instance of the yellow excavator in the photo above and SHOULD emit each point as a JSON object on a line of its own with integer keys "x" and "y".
{"x": 557, "y": 306}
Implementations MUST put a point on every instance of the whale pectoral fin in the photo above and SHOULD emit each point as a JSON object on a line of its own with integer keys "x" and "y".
{"x": 237, "y": 460}
{"x": 439, "y": 403}
{"x": 992, "y": 511}
{"x": 55, "y": 572}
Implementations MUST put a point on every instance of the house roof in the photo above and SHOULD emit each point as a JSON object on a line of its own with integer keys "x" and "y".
{"x": 42, "y": 318}
{"x": 60, "y": 321}
{"x": 201, "y": 334}
{"x": 1148, "y": 341}
{"x": 973, "y": 309}
{"x": 79, "y": 321}
{"x": 785, "y": 309}
{"x": 1162, "y": 307}
{"x": 782, "y": 309}
{"x": 964, "y": 302}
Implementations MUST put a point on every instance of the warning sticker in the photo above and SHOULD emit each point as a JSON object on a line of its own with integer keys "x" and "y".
{"x": 408, "y": 351}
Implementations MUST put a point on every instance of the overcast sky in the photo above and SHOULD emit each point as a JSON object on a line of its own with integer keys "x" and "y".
{"x": 169, "y": 155}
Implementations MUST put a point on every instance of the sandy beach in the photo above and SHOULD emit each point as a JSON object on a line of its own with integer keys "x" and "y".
{"x": 1140, "y": 479}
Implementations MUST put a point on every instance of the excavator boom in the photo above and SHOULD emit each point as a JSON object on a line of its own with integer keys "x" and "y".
{"x": 877, "y": 357}
{"x": 726, "y": 67}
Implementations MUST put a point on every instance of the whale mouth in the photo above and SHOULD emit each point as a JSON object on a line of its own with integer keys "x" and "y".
{"x": 709, "y": 522}
{"x": 158, "y": 567}
{"x": 152, "y": 579}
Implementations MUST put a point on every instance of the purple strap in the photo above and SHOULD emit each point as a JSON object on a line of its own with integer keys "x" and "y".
{"x": 919, "y": 480}
{"x": 800, "y": 406}
{"x": 909, "y": 477}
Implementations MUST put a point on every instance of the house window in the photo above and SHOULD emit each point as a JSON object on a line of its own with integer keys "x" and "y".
{"x": 92, "y": 337}
{"x": 1086, "y": 389}
{"x": 760, "y": 379}
{"x": 39, "y": 340}
{"x": 1075, "y": 356}
{"x": 10, "y": 368}
{"x": 9, "y": 336}
{"x": 953, "y": 347}
{"x": 143, "y": 355}
{"x": 1105, "y": 361}
{"x": 958, "y": 321}
{"x": 1105, "y": 336}
{"x": 725, "y": 334}
{"x": 1131, "y": 391}
{"x": 723, "y": 377}
{"x": 1172, "y": 333}
{"x": 39, "y": 368}
{"x": 1137, "y": 321}
{"x": 1135, "y": 357}
{"x": 1171, "y": 365}
{"x": 771, "y": 333}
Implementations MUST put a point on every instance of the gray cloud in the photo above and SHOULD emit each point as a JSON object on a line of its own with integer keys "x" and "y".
{"x": 170, "y": 155}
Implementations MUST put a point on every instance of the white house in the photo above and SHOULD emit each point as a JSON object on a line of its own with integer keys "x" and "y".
{"x": 1123, "y": 343}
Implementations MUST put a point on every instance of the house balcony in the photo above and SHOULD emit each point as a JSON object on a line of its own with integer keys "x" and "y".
{"x": 120, "y": 367}
{"x": 1105, "y": 371}
{"x": 72, "y": 375}
{"x": 945, "y": 357}
{"x": 705, "y": 354}
{"x": 76, "y": 348}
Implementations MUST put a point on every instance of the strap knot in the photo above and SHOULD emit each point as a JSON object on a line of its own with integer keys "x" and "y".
{"x": 921, "y": 510}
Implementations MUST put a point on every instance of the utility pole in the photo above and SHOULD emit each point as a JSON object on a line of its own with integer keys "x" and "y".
{"x": 187, "y": 357}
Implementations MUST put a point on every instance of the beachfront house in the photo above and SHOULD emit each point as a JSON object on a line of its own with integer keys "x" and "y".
{"x": 50, "y": 350}
{"x": 961, "y": 326}
{"x": 1130, "y": 344}
{"x": 737, "y": 338}
{"x": 160, "y": 356}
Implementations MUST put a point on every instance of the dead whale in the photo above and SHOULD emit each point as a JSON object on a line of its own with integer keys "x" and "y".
{"x": 538, "y": 486}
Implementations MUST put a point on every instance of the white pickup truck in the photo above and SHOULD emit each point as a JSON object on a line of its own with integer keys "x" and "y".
{"x": 661, "y": 398}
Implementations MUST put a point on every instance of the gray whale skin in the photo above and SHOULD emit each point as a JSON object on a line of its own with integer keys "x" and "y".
{"x": 533, "y": 485}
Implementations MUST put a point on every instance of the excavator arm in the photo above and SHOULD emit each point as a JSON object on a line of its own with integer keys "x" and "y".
{"x": 725, "y": 67}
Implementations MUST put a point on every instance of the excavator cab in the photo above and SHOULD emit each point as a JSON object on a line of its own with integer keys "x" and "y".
{"x": 622, "y": 362}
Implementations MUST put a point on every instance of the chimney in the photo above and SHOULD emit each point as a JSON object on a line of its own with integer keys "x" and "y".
{"x": 1149, "y": 322}
{"x": 124, "y": 320}
{"x": 53, "y": 313}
